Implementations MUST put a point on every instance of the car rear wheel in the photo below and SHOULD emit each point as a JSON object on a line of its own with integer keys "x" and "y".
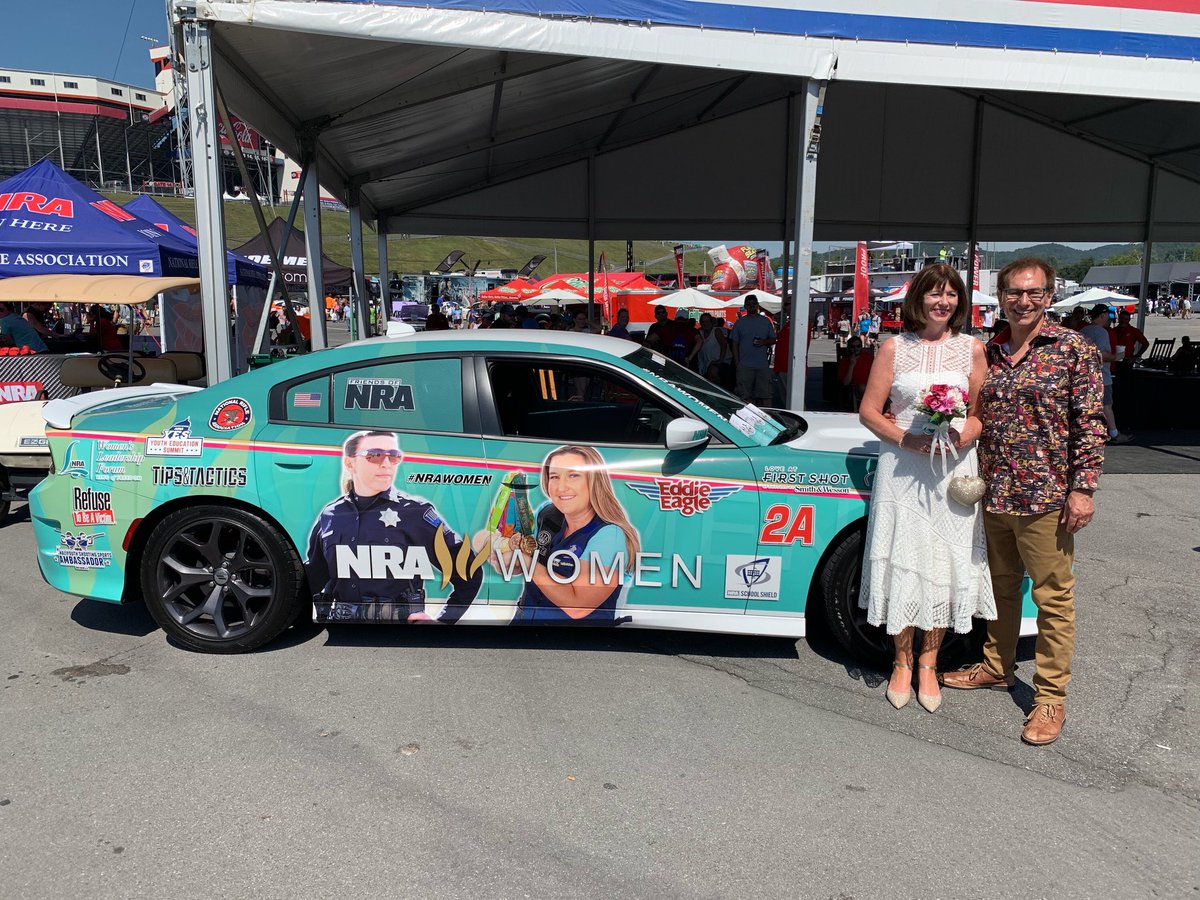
{"x": 221, "y": 580}
{"x": 869, "y": 643}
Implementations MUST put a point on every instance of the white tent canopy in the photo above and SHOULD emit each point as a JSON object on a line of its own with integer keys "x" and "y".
{"x": 1091, "y": 297}
{"x": 689, "y": 298}
{"x": 657, "y": 119}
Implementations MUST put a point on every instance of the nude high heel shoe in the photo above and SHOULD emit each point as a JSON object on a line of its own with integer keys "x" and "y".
{"x": 929, "y": 702}
{"x": 896, "y": 698}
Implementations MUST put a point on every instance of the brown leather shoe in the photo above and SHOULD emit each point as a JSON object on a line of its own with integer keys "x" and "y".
{"x": 1044, "y": 724}
{"x": 976, "y": 676}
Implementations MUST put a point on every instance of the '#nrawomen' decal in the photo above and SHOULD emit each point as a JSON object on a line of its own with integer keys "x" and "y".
{"x": 176, "y": 440}
{"x": 683, "y": 495}
{"x": 230, "y": 415}
{"x": 77, "y": 551}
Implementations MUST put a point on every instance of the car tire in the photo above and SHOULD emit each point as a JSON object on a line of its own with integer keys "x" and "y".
{"x": 221, "y": 580}
{"x": 867, "y": 643}
{"x": 871, "y": 644}
{"x": 5, "y": 505}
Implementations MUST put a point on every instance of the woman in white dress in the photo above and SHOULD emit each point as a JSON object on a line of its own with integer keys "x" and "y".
{"x": 925, "y": 565}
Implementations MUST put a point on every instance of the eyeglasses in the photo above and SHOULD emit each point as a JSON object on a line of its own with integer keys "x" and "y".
{"x": 1035, "y": 294}
{"x": 376, "y": 457}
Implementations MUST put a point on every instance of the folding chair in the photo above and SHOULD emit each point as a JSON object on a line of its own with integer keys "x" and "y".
{"x": 1160, "y": 354}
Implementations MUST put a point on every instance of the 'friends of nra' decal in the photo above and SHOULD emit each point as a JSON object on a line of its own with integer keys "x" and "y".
{"x": 230, "y": 415}
{"x": 378, "y": 393}
{"x": 684, "y": 496}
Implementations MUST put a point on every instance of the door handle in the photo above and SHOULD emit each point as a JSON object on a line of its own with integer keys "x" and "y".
{"x": 293, "y": 462}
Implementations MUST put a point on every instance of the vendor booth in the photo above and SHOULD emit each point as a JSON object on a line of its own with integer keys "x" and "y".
{"x": 52, "y": 224}
{"x": 294, "y": 258}
{"x": 182, "y": 323}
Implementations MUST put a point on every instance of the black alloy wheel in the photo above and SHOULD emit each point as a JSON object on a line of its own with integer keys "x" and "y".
{"x": 221, "y": 580}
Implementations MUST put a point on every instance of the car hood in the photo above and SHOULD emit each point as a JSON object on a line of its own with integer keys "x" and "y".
{"x": 836, "y": 433}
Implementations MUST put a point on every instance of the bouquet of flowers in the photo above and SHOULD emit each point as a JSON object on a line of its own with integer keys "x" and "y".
{"x": 942, "y": 403}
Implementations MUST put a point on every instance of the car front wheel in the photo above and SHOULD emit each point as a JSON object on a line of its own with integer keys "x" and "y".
{"x": 870, "y": 644}
{"x": 221, "y": 580}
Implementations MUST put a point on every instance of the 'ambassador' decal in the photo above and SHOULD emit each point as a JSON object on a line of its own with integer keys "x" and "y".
{"x": 683, "y": 496}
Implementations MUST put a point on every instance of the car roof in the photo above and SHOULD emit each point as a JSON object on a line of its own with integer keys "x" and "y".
{"x": 480, "y": 338}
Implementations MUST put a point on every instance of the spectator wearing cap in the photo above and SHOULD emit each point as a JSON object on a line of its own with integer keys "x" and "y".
{"x": 751, "y": 337}
{"x": 682, "y": 339}
{"x": 1097, "y": 332}
{"x": 1129, "y": 338}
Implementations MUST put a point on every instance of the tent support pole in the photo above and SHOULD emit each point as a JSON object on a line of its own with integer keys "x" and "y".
{"x": 385, "y": 285}
{"x": 240, "y": 159}
{"x": 312, "y": 243}
{"x": 206, "y": 153}
{"x": 277, "y": 278}
{"x": 356, "y": 260}
{"x": 591, "y": 238}
{"x": 805, "y": 149}
{"x": 1147, "y": 247}
{"x": 788, "y": 281}
{"x": 973, "y": 226}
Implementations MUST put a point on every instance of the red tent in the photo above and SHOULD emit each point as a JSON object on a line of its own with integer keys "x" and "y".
{"x": 510, "y": 292}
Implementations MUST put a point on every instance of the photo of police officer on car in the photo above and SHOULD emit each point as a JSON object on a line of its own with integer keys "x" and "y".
{"x": 373, "y": 549}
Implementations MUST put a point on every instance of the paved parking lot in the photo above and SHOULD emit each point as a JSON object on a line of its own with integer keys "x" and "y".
{"x": 447, "y": 763}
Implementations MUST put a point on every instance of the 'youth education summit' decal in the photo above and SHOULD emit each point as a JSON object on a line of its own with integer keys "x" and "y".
{"x": 176, "y": 440}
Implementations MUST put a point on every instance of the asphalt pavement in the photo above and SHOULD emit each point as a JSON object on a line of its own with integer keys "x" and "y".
{"x": 366, "y": 762}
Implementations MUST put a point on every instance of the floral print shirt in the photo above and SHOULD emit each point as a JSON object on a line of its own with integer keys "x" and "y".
{"x": 1043, "y": 422}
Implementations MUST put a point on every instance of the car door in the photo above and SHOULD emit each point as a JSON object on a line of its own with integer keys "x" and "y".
{"x": 374, "y": 548}
{"x": 684, "y": 519}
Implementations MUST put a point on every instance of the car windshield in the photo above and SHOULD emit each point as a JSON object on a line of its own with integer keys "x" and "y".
{"x": 751, "y": 421}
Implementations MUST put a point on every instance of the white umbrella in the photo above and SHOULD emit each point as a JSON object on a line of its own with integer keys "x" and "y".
{"x": 689, "y": 298}
{"x": 1091, "y": 297}
{"x": 979, "y": 298}
{"x": 769, "y": 302}
{"x": 555, "y": 297}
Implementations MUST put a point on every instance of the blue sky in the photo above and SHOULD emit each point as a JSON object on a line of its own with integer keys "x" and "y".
{"x": 101, "y": 38}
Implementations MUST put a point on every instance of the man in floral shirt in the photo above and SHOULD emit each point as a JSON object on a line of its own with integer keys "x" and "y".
{"x": 1041, "y": 452}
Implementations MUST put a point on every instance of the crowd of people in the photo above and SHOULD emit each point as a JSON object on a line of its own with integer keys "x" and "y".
{"x": 43, "y": 328}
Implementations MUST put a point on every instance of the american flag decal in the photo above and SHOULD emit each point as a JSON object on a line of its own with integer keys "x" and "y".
{"x": 306, "y": 398}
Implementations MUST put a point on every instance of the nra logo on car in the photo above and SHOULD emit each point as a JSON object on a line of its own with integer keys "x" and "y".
{"x": 230, "y": 415}
{"x": 91, "y": 507}
{"x": 684, "y": 496}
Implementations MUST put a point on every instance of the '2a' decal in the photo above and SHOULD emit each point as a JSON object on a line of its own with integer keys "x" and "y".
{"x": 783, "y": 526}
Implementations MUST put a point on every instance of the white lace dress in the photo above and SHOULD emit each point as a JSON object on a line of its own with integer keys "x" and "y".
{"x": 926, "y": 561}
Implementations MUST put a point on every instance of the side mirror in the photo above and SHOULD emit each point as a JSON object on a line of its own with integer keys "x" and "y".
{"x": 683, "y": 433}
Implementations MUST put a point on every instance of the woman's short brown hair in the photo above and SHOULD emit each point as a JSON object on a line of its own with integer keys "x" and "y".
{"x": 938, "y": 275}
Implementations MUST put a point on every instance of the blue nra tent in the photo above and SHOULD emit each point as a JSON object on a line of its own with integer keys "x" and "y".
{"x": 239, "y": 269}
{"x": 51, "y": 223}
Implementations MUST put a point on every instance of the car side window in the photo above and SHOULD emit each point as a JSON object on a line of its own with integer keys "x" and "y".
{"x": 308, "y": 401}
{"x": 401, "y": 395}
{"x": 574, "y": 403}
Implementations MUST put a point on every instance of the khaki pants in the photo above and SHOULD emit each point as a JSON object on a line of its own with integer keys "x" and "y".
{"x": 1040, "y": 545}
